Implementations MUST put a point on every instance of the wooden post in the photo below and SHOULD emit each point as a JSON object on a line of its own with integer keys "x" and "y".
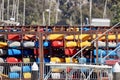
{"x": 41, "y": 56}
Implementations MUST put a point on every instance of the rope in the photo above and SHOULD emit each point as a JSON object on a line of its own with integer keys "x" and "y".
{"x": 95, "y": 39}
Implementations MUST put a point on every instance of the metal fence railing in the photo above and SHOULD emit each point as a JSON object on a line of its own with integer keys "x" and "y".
{"x": 78, "y": 72}
{"x": 59, "y": 71}
{"x": 16, "y": 71}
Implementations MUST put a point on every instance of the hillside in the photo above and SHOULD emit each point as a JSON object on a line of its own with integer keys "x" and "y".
{"x": 71, "y": 12}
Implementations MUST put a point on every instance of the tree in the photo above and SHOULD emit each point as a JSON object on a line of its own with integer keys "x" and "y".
{"x": 70, "y": 11}
{"x": 115, "y": 8}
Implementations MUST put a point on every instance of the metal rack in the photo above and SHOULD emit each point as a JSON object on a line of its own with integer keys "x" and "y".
{"x": 55, "y": 30}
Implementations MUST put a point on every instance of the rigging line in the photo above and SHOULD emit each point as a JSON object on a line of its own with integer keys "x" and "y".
{"x": 111, "y": 52}
{"x": 96, "y": 39}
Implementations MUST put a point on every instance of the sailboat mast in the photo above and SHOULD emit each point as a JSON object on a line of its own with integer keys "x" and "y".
{"x": 105, "y": 8}
{"x": 8, "y": 3}
{"x": 90, "y": 14}
{"x": 0, "y": 12}
{"x": 2, "y": 9}
{"x": 24, "y": 13}
{"x": 17, "y": 14}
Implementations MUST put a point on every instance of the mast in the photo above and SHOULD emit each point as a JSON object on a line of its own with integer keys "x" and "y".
{"x": 105, "y": 8}
{"x": 81, "y": 26}
{"x": 17, "y": 14}
{"x": 0, "y": 12}
{"x": 49, "y": 13}
{"x": 13, "y": 9}
{"x": 24, "y": 13}
{"x": 8, "y": 5}
{"x": 57, "y": 7}
{"x": 2, "y": 9}
{"x": 43, "y": 13}
{"x": 90, "y": 14}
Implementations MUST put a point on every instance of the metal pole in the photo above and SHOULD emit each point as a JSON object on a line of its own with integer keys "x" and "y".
{"x": 81, "y": 27}
{"x": 24, "y": 13}
{"x": 57, "y": 7}
{"x": 8, "y": 3}
{"x": 17, "y": 10}
{"x": 104, "y": 13}
{"x": 0, "y": 12}
{"x": 13, "y": 9}
{"x": 43, "y": 15}
{"x": 71, "y": 23}
{"x": 49, "y": 14}
{"x": 90, "y": 11}
{"x": 2, "y": 9}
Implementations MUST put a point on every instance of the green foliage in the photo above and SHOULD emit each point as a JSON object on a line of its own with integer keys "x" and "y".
{"x": 70, "y": 11}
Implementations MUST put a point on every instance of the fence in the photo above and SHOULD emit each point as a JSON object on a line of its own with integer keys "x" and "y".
{"x": 53, "y": 71}
{"x": 16, "y": 71}
{"x": 59, "y": 71}
{"x": 77, "y": 72}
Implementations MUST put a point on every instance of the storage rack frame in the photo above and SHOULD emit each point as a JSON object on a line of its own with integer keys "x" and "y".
{"x": 56, "y": 30}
